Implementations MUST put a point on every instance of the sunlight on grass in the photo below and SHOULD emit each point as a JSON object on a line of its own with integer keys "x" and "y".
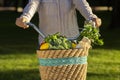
{"x": 18, "y": 61}
{"x": 19, "y": 66}
{"x": 103, "y": 64}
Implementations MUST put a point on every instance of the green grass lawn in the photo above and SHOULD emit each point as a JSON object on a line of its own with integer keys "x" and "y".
{"x": 18, "y": 60}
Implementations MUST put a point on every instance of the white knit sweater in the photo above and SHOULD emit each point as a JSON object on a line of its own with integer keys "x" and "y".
{"x": 58, "y": 15}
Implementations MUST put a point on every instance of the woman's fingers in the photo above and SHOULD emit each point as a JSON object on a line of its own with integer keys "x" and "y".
{"x": 97, "y": 21}
{"x": 21, "y": 22}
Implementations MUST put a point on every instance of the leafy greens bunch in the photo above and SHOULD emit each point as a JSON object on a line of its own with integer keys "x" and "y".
{"x": 92, "y": 33}
{"x": 57, "y": 41}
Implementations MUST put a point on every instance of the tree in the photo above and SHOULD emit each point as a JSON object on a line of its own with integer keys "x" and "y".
{"x": 115, "y": 21}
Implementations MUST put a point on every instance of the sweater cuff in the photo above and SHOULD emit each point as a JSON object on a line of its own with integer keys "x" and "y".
{"x": 91, "y": 17}
{"x": 27, "y": 17}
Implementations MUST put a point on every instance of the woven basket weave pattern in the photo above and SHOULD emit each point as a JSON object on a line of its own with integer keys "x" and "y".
{"x": 63, "y": 72}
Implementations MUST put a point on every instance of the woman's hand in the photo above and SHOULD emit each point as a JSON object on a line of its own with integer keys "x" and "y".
{"x": 21, "y": 22}
{"x": 97, "y": 21}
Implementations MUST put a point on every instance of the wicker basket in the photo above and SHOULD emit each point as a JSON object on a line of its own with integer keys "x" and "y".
{"x": 64, "y": 64}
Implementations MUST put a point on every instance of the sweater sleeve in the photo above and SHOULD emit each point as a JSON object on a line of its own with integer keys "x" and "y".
{"x": 84, "y": 8}
{"x": 30, "y": 9}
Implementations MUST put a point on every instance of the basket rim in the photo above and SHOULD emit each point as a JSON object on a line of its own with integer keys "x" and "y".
{"x": 59, "y": 49}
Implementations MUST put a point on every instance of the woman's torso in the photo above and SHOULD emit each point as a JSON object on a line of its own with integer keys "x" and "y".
{"x": 58, "y": 16}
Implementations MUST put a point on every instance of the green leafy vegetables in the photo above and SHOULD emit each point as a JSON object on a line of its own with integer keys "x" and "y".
{"x": 57, "y": 41}
{"x": 92, "y": 33}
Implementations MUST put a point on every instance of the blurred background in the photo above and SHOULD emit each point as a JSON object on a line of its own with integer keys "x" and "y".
{"x": 18, "y": 60}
